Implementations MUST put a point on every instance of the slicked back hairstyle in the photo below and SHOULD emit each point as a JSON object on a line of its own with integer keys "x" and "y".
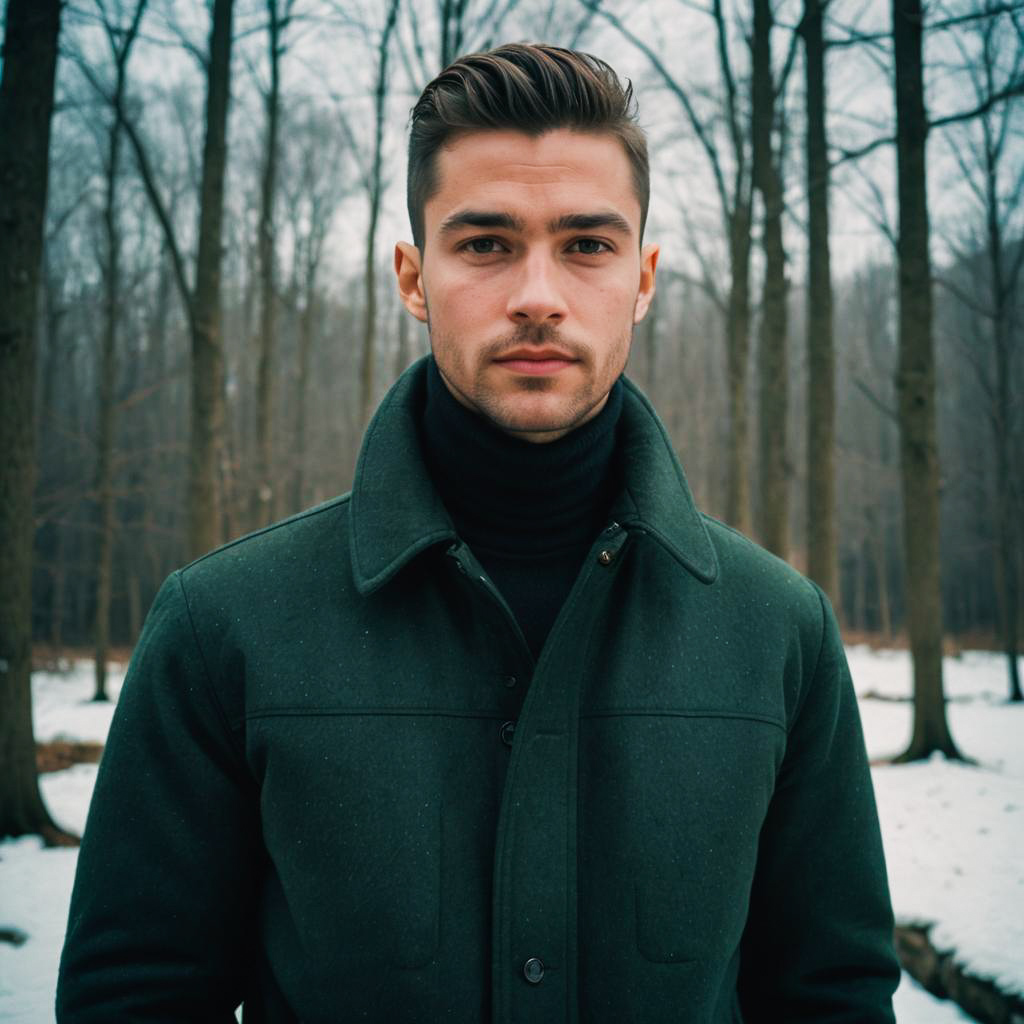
{"x": 526, "y": 87}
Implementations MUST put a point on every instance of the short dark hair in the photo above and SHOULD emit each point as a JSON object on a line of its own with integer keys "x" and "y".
{"x": 527, "y": 87}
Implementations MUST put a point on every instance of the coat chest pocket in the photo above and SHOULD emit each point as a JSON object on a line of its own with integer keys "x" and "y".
{"x": 351, "y": 807}
{"x": 676, "y": 802}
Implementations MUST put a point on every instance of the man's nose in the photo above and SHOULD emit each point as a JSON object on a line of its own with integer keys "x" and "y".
{"x": 536, "y": 297}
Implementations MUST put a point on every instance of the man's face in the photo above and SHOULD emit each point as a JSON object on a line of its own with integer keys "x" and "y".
{"x": 532, "y": 275}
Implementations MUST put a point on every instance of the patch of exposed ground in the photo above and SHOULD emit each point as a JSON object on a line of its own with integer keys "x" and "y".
{"x": 57, "y": 755}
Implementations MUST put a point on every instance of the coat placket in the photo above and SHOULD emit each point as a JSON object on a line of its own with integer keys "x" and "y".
{"x": 535, "y": 947}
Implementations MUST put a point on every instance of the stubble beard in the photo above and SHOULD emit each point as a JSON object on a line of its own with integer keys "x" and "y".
{"x": 499, "y": 408}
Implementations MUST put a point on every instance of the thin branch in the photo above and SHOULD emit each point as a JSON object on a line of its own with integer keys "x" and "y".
{"x": 962, "y": 19}
{"x": 1014, "y": 88}
{"x": 963, "y": 297}
{"x": 846, "y": 155}
{"x": 725, "y": 65}
{"x": 869, "y": 394}
{"x": 787, "y": 67}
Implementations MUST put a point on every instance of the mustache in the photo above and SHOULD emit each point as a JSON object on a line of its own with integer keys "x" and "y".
{"x": 535, "y": 334}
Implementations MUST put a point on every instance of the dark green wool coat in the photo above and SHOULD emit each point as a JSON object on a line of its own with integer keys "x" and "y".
{"x": 313, "y": 799}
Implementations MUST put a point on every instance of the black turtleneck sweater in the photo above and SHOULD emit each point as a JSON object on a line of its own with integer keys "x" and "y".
{"x": 528, "y": 511}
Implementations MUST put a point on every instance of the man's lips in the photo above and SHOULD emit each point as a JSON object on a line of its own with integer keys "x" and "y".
{"x": 536, "y": 360}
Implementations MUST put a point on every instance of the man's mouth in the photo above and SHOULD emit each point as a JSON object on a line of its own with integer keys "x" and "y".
{"x": 536, "y": 361}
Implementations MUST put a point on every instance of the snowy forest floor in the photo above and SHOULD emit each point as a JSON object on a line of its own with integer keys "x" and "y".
{"x": 953, "y": 832}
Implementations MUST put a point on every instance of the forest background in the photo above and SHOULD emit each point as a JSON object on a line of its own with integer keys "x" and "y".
{"x": 835, "y": 346}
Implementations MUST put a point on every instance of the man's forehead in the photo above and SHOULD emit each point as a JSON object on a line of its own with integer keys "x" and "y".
{"x": 571, "y": 174}
{"x": 558, "y": 150}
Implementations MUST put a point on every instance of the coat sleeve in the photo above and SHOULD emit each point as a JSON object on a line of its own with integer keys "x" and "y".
{"x": 164, "y": 887}
{"x": 818, "y": 940}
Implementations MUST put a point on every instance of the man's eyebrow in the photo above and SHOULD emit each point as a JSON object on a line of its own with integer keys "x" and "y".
{"x": 590, "y": 222}
{"x": 480, "y": 219}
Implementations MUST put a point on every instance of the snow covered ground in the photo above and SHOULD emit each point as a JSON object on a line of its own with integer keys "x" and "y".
{"x": 952, "y": 832}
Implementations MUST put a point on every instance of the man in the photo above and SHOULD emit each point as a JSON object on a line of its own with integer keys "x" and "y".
{"x": 511, "y": 733}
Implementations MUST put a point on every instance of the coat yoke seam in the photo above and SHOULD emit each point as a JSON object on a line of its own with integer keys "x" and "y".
{"x": 327, "y": 506}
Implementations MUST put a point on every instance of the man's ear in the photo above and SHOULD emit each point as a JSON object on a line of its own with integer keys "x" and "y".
{"x": 410, "y": 280}
{"x": 645, "y": 293}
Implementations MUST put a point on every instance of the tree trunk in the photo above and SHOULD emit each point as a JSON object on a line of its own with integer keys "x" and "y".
{"x": 135, "y": 612}
{"x": 882, "y": 586}
{"x": 105, "y": 416}
{"x": 822, "y": 546}
{"x": 302, "y": 392}
{"x": 860, "y": 588}
{"x": 59, "y": 580}
{"x": 106, "y": 398}
{"x": 773, "y": 375}
{"x": 263, "y": 505}
{"x": 1007, "y": 526}
{"x": 26, "y": 106}
{"x": 368, "y": 382}
{"x": 367, "y": 378}
{"x": 207, "y": 438}
{"x": 737, "y": 360}
{"x": 915, "y": 387}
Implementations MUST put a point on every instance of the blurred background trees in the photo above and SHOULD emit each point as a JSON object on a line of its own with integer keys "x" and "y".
{"x": 216, "y": 316}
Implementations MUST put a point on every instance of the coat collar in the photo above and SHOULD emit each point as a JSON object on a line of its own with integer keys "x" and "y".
{"x": 397, "y": 513}
{"x": 656, "y": 498}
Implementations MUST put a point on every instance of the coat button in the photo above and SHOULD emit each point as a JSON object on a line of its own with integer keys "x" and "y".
{"x": 606, "y": 557}
{"x": 510, "y": 681}
{"x": 533, "y": 970}
{"x": 506, "y": 732}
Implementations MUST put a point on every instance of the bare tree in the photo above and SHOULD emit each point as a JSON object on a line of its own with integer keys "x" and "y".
{"x": 120, "y": 39}
{"x": 26, "y": 107}
{"x": 375, "y": 191}
{"x": 915, "y": 386}
{"x": 263, "y": 507}
{"x": 822, "y": 549}
{"x": 773, "y": 370}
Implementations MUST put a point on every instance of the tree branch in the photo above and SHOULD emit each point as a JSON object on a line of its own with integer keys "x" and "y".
{"x": 1014, "y": 88}
{"x": 677, "y": 90}
{"x": 869, "y": 394}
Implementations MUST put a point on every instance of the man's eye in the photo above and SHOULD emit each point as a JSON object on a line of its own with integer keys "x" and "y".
{"x": 483, "y": 246}
{"x": 588, "y": 246}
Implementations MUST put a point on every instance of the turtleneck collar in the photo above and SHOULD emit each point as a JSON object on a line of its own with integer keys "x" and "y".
{"x": 513, "y": 496}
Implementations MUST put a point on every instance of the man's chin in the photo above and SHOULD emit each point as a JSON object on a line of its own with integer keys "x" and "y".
{"x": 540, "y": 425}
